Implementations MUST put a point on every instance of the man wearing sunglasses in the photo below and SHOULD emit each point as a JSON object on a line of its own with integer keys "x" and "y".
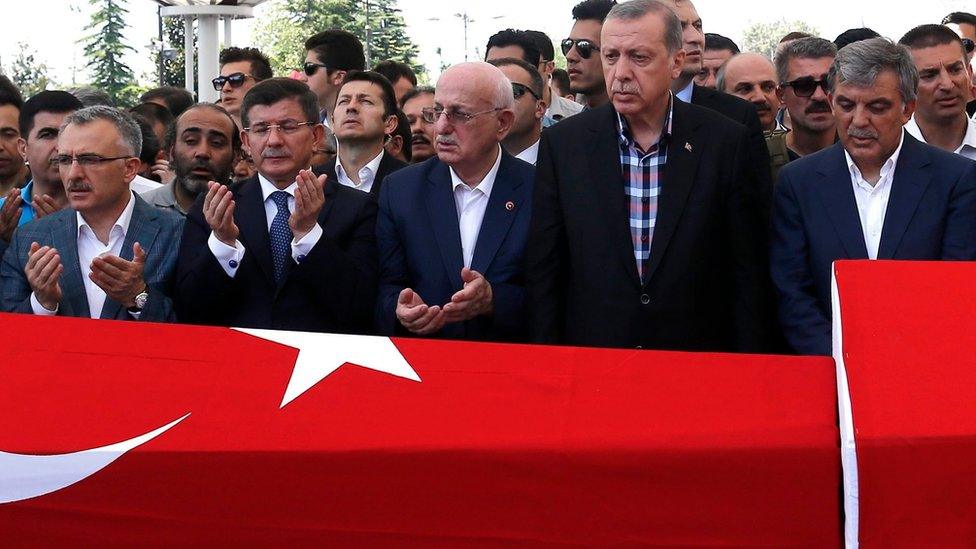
{"x": 582, "y": 51}
{"x": 801, "y": 66}
{"x": 523, "y": 139}
{"x": 329, "y": 56}
{"x": 240, "y": 70}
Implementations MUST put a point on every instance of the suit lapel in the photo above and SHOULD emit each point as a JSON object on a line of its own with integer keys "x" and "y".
{"x": 442, "y": 213}
{"x": 907, "y": 189}
{"x": 142, "y": 229}
{"x": 498, "y": 217}
{"x": 253, "y": 223}
{"x": 837, "y": 194}
{"x": 65, "y": 239}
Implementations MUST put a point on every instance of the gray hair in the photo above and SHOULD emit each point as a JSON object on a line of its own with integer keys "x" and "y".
{"x": 860, "y": 63}
{"x": 635, "y": 9}
{"x": 127, "y": 127}
{"x": 803, "y": 48}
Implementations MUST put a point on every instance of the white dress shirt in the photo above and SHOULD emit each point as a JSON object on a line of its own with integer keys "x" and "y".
{"x": 141, "y": 185}
{"x": 968, "y": 146}
{"x": 471, "y": 204}
{"x": 872, "y": 200}
{"x": 531, "y": 154}
{"x": 90, "y": 247}
{"x": 367, "y": 175}
{"x": 230, "y": 257}
{"x": 686, "y": 92}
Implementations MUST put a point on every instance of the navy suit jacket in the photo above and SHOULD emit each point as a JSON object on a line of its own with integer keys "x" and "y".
{"x": 157, "y": 231}
{"x": 420, "y": 246}
{"x": 931, "y": 215}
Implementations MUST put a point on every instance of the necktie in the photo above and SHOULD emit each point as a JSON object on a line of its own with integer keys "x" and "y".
{"x": 281, "y": 235}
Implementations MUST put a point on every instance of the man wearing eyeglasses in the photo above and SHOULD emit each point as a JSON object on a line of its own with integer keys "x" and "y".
{"x": 329, "y": 56}
{"x": 110, "y": 254}
{"x": 523, "y": 139}
{"x": 582, "y": 51}
{"x": 451, "y": 230}
{"x": 801, "y": 66}
{"x": 240, "y": 70}
{"x": 285, "y": 249}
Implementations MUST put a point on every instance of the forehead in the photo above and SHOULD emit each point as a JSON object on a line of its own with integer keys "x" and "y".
{"x": 937, "y": 55}
{"x": 885, "y": 86}
{"x": 516, "y": 73}
{"x": 632, "y": 33}
{"x": 749, "y": 69}
{"x": 361, "y": 87}
{"x": 717, "y": 56}
{"x": 799, "y": 67}
{"x": 206, "y": 120}
{"x": 462, "y": 87}
{"x": 501, "y": 52}
{"x": 99, "y": 136}
{"x": 236, "y": 66}
{"x": 8, "y": 115}
{"x": 586, "y": 28}
{"x": 686, "y": 11}
{"x": 418, "y": 102}
{"x": 283, "y": 109}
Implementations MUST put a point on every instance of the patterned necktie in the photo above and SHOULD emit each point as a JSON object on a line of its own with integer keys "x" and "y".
{"x": 281, "y": 235}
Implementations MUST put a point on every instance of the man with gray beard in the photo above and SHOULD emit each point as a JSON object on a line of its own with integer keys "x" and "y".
{"x": 202, "y": 146}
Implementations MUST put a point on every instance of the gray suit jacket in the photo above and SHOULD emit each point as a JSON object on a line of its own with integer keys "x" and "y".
{"x": 157, "y": 231}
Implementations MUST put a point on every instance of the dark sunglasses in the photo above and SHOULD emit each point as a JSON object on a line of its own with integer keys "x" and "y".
{"x": 518, "y": 90}
{"x": 235, "y": 80}
{"x": 584, "y": 47}
{"x": 968, "y": 45}
{"x": 806, "y": 86}
{"x": 312, "y": 68}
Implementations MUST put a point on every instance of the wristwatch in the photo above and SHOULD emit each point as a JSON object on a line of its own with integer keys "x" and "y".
{"x": 141, "y": 298}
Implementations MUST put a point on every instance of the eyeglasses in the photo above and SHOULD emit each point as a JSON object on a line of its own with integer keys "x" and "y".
{"x": 83, "y": 160}
{"x": 312, "y": 68}
{"x": 806, "y": 86}
{"x": 287, "y": 127}
{"x": 236, "y": 80}
{"x": 431, "y": 115}
{"x": 518, "y": 90}
{"x": 968, "y": 45}
{"x": 584, "y": 47}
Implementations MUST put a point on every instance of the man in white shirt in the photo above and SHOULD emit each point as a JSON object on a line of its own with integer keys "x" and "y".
{"x": 944, "y": 89}
{"x": 109, "y": 254}
{"x": 527, "y": 85}
{"x": 877, "y": 194}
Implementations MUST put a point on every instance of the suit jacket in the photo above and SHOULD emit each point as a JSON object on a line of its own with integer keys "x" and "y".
{"x": 931, "y": 215}
{"x": 388, "y": 165}
{"x": 332, "y": 290}
{"x": 420, "y": 246}
{"x": 705, "y": 286}
{"x": 157, "y": 231}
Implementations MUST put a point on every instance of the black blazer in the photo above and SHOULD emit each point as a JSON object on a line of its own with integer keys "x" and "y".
{"x": 332, "y": 290}
{"x": 706, "y": 287}
{"x": 388, "y": 165}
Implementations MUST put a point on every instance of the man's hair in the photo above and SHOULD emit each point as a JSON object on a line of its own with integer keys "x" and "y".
{"x": 861, "y": 62}
{"x": 260, "y": 65}
{"x": 854, "y": 35}
{"x": 273, "y": 90}
{"x": 403, "y": 130}
{"x": 153, "y": 113}
{"x": 535, "y": 78}
{"x": 959, "y": 17}
{"x": 720, "y": 75}
{"x": 803, "y": 48}
{"x": 337, "y": 50}
{"x": 794, "y": 35}
{"x": 234, "y": 130}
{"x": 561, "y": 77}
{"x": 718, "y": 42}
{"x": 395, "y": 70}
{"x": 512, "y": 37}
{"x": 55, "y": 101}
{"x": 9, "y": 93}
{"x": 127, "y": 127}
{"x": 927, "y": 36}
{"x": 595, "y": 10}
{"x": 91, "y": 97}
{"x": 389, "y": 95}
{"x": 419, "y": 90}
{"x": 635, "y": 9}
{"x": 544, "y": 43}
{"x": 177, "y": 99}
{"x": 150, "y": 143}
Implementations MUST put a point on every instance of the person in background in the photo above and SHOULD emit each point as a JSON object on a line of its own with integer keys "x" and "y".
{"x": 422, "y": 134}
{"x": 718, "y": 50}
{"x": 329, "y": 56}
{"x": 240, "y": 70}
{"x": 399, "y": 74}
{"x": 173, "y": 98}
{"x": 14, "y": 173}
{"x": 582, "y": 51}
{"x": 522, "y": 140}
{"x": 801, "y": 67}
{"x": 558, "y": 107}
{"x": 398, "y": 146}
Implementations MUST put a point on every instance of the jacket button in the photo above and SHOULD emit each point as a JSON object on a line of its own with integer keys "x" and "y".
{"x": 639, "y": 347}
{"x": 645, "y": 299}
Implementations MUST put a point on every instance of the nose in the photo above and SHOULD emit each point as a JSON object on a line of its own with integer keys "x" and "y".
{"x": 860, "y": 118}
{"x": 73, "y": 172}
{"x": 274, "y": 136}
{"x": 819, "y": 94}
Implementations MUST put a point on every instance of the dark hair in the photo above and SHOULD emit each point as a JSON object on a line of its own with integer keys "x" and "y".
{"x": 854, "y": 35}
{"x": 177, "y": 99}
{"x": 813, "y": 47}
{"x": 561, "y": 78}
{"x": 91, "y": 97}
{"x": 153, "y": 113}
{"x": 403, "y": 130}
{"x": 273, "y": 90}
{"x": 9, "y": 93}
{"x": 337, "y": 50}
{"x": 56, "y": 101}
{"x": 150, "y": 143}
{"x": 596, "y": 10}
{"x": 512, "y": 37}
{"x": 794, "y": 35}
{"x": 718, "y": 42}
{"x": 926, "y": 36}
{"x": 419, "y": 90}
{"x": 260, "y": 65}
{"x": 536, "y": 79}
{"x": 395, "y": 70}
{"x": 959, "y": 17}
{"x": 544, "y": 43}
{"x": 234, "y": 130}
{"x": 389, "y": 96}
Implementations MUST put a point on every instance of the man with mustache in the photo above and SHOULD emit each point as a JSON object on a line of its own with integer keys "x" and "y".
{"x": 285, "y": 249}
{"x": 422, "y": 133}
{"x": 13, "y": 172}
{"x": 451, "y": 230}
{"x": 203, "y": 144}
{"x": 646, "y": 230}
{"x": 801, "y": 67}
{"x": 752, "y": 77}
{"x": 877, "y": 194}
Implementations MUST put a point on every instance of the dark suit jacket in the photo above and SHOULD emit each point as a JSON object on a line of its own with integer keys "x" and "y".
{"x": 332, "y": 290}
{"x": 157, "y": 231}
{"x": 705, "y": 288}
{"x": 388, "y": 165}
{"x": 420, "y": 246}
{"x": 931, "y": 215}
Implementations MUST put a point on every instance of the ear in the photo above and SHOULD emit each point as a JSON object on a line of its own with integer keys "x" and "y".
{"x": 337, "y": 78}
{"x": 390, "y": 124}
{"x": 130, "y": 169}
{"x": 22, "y": 148}
{"x": 908, "y": 111}
{"x": 245, "y": 142}
{"x": 318, "y": 136}
{"x": 677, "y": 63}
{"x": 540, "y": 109}
{"x": 505, "y": 120}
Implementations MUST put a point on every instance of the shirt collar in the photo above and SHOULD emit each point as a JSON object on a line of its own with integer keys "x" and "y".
{"x": 122, "y": 223}
{"x": 25, "y": 193}
{"x": 686, "y": 92}
{"x": 267, "y": 187}
{"x": 530, "y": 154}
{"x": 623, "y": 128}
{"x": 486, "y": 184}
{"x": 968, "y": 140}
{"x": 887, "y": 168}
{"x": 368, "y": 170}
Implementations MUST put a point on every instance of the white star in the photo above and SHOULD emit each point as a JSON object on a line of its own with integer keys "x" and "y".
{"x": 321, "y": 354}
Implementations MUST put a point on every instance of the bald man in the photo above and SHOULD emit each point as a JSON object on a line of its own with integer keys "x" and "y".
{"x": 452, "y": 229}
{"x": 752, "y": 77}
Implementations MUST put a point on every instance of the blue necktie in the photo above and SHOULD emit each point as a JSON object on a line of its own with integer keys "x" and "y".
{"x": 281, "y": 235}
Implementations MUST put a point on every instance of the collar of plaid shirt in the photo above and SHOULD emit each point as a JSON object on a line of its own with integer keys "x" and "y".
{"x": 626, "y": 139}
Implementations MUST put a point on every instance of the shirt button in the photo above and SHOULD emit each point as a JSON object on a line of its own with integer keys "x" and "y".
{"x": 643, "y": 238}
{"x": 232, "y": 263}
{"x": 639, "y": 347}
{"x": 645, "y": 299}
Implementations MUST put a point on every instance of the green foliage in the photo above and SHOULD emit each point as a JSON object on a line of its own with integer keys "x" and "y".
{"x": 105, "y": 46}
{"x": 174, "y": 67}
{"x": 763, "y": 37}
{"x": 29, "y": 74}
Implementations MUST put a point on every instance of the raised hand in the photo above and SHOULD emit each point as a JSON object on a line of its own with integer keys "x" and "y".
{"x": 309, "y": 199}
{"x": 10, "y": 214}
{"x": 120, "y": 279}
{"x": 43, "y": 272}
{"x": 218, "y": 210}
{"x": 474, "y": 299}
{"x": 416, "y": 316}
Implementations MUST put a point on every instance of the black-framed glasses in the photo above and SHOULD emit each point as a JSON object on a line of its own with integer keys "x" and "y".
{"x": 968, "y": 45}
{"x": 584, "y": 47}
{"x": 806, "y": 86}
{"x": 518, "y": 90}
{"x": 430, "y": 115}
{"x": 286, "y": 127}
{"x": 84, "y": 160}
{"x": 235, "y": 80}
{"x": 312, "y": 68}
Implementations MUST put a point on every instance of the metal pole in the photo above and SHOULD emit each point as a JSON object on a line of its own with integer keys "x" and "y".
{"x": 188, "y": 51}
{"x": 207, "y": 67}
{"x": 159, "y": 16}
{"x": 228, "y": 39}
{"x": 369, "y": 37}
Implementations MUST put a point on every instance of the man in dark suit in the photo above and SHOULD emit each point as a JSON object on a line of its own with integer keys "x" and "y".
{"x": 452, "y": 230}
{"x": 645, "y": 229}
{"x": 284, "y": 249}
{"x": 878, "y": 194}
{"x": 109, "y": 254}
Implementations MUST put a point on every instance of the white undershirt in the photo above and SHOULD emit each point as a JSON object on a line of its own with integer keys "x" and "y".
{"x": 367, "y": 175}
{"x": 968, "y": 146}
{"x": 531, "y": 154}
{"x": 872, "y": 200}
{"x": 471, "y": 204}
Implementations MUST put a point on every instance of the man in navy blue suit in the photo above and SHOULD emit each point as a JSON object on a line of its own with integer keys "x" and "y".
{"x": 878, "y": 194}
{"x": 452, "y": 230}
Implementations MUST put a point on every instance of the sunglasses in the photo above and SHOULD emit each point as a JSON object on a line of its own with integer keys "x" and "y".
{"x": 968, "y": 45}
{"x": 518, "y": 90}
{"x": 806, "y": 86}
{"x": 312, "y": 68}
{"x": 235, "y": 80}
{"x": 584, "y": 47}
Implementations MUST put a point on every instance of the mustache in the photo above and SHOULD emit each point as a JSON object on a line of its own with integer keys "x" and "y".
{"x": 863, "y": 134}
{"x": 79, "y": 187}
{"x": 817, "y": 106}
{"x": 619, "y": 87}
{"x": 420, "y": 138}
{"x": 274, "y": 152}
{"x": 446, "y": 140}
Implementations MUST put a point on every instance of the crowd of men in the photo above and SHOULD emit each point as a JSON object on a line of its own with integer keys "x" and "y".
{"x": 666, "y": 191}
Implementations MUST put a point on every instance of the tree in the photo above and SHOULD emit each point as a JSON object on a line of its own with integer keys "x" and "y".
{"x": 105, "y": 48}
{"x": 174, "y": 62}
{"x": 763, "y": 37}
{"x": 29, "y": 74}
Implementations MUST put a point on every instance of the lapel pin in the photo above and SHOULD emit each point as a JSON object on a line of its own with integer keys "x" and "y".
{"x": 509, "y": 205}
{"x": 688, "y": 147}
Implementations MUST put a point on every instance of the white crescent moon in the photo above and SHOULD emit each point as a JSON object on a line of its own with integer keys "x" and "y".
{"x": 24, "y": 476}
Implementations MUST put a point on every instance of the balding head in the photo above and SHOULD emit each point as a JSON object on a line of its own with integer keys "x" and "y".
{"x": 752, "y": 77}
{"x": 483, "y": 80}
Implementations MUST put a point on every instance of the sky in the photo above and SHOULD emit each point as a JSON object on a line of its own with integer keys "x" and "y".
{"x": 438, "y": 25}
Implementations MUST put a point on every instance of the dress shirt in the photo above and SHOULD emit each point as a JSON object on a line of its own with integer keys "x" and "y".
{"x": 872, "y": 200}
{"x": 230, "y": 257}
{"x": 367, "y": 175}
{"x": 89, "y": 247}
{"x": 530, "y": 154}
{"x": 686, "y": 92}
{"x": 562, "y": 108}
{"x": 165, "y": 198}
{"x": 26, "y": 208}
{"x": 471, "y": 204}
{"x": 142, "y": 185}
{"x": 968, "y": 146}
